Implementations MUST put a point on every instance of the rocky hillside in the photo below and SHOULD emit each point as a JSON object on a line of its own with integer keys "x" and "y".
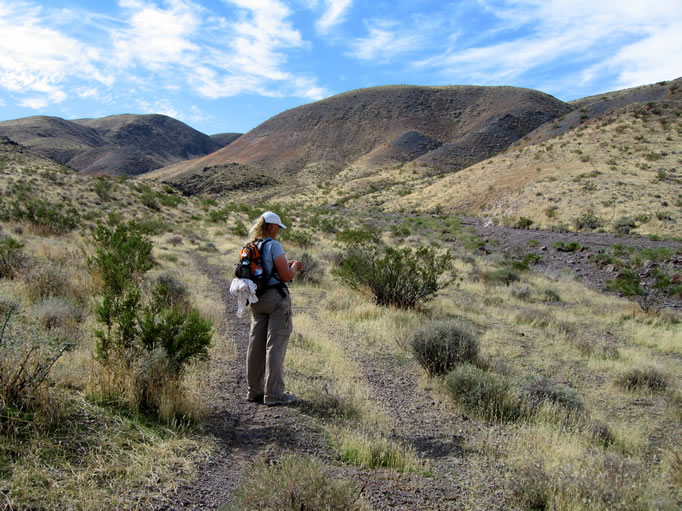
{"x": 444, "y": 128}
{"x": 620, "y": 171}
{"x": 119, "y": 144}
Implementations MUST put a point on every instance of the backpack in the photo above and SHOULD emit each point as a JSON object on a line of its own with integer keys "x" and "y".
{"x": 250, "y": 265}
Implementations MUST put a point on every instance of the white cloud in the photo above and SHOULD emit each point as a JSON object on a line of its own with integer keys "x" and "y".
{"x": 155, "y": 37}
{"x": 384, "y": 41}
{"x": 634, "y": 41}
{"x": 152, "y": 45}
{"x": 334, "y": 14}
{"x": 37, "y": 59}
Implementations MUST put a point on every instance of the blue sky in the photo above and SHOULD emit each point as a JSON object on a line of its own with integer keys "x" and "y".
{"x": 228, "y": 65}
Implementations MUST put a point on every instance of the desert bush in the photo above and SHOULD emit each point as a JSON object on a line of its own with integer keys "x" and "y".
{"x": 175, "y": 240}
{"x": 46, "y": 281}
{"x": 602, "y": 481}
{"x": 624, "y": 225}
{"x": 301, "y": 238}
{"x": 484, "y": 394}
{"x": 12, "y": 257}
{"x": 103, "y": 186}
{"x": 152, "y": 342}
{"x": 550, "y": 295}
{"x": 536, "y": 390}
{"x": 26, "y": 359}
{"x": 169, "y": 291}
{"x": 46, "y": 217}
{"x": 523, "y": 223}
{"x": 219, "y": 216}
{"x": 57, "y": 311}
{"x": 646, "y": 378}
{"x": 439, "y": 346}
{"x": 240, "y": 229}
{"x": 293, "y": 484}
{"x": 400, "y": 277}
{"x": 571, "y": 246}
{"x": 647, "y": 290}
{"x": 523, "y": 292}
{"x": 312, "y": 271}
{"x": 502, "y": 276}
{"x": 587, "y": 220}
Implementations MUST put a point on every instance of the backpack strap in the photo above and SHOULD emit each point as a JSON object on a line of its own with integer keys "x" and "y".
{"x": 261, "y": 245}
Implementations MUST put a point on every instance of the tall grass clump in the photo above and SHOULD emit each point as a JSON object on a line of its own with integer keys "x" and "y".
{"x": 644, "y": 378}
{"x": 485, "y": 394}
{"x": 293, "y": 484}
{"x": 400, "y": 277}
{"x": 27, "y": 357}
{"x": 439, "y": 346}
{"x": 375, "y": 451}
{"x": 12, "y": 258}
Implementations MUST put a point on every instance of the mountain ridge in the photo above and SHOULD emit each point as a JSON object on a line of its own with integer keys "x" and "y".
{"x": 127, "y": 144}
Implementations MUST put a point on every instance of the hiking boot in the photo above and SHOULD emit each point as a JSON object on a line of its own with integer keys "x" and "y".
{"x": 255, "y": 399}
{"x": 286, "y": 399}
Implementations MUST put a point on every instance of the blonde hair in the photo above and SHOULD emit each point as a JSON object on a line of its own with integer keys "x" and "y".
{"x": 259, "y": 230}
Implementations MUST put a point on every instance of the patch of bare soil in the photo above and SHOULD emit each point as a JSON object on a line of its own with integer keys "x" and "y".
{"x": 554, "y": 263}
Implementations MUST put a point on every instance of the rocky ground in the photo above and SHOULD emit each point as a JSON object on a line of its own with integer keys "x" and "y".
{"x": 554, "y": 263}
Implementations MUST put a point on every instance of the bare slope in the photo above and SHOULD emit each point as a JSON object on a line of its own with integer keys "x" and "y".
{"x": 119, "y": 144}
{"x": 446, "y": 128}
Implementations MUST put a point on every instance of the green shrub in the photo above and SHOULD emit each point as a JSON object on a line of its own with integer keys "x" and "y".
{"x": 219, "y": 216}
{"x": 301, "y": 238}
{"x": 587, "y": 220}
{"x": 648, "y": 378}
{"x": 486, "y": 395}
{"x": 624, "y": 225}
{"x": 12, "y": 257}
{"x": 402, "y": 277}
{"x": 103, "y": 186}
{"x": 312, "y": 271}
{"x": 293, "y": 484}
{"x": 536, "y": 390}
{"x": 240, "y": 229}
{"x": 50, "y": 218}
{"x": 502, "y": 276}
{"x": 523, "y": 223}
{"x": 439, "y": 346}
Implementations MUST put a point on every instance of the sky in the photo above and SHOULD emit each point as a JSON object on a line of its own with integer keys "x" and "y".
{"x": 229, "y": 65}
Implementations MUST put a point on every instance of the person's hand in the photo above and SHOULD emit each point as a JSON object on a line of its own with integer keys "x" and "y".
{"x": 296, "y": 265}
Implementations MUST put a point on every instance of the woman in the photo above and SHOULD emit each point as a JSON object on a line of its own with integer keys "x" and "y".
{"x": 270, "y": 317}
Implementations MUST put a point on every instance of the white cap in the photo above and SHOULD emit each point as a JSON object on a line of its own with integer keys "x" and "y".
{"x": 273, "y": 218}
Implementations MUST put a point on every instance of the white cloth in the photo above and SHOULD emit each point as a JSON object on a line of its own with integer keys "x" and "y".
{"x": 243, "y": 289}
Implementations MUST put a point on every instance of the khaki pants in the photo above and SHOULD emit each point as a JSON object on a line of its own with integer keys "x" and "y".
{"x": 270, "y": 330}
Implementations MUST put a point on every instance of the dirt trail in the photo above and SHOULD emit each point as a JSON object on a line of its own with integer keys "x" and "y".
{"x": 244, "y": 432}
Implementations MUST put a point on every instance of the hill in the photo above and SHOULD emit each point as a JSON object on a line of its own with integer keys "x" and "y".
{"x": 619, "y": 168}
{"x": 119, "y": 145}
{"x": 443, "y": 128}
